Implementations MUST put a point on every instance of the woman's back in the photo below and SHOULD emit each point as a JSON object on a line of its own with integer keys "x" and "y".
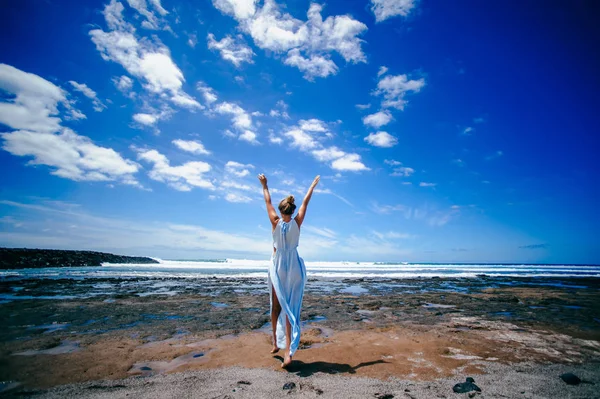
{"x": 286, "y": 235}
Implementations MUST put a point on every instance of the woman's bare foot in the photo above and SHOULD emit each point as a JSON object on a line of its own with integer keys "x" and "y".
{"x": 275, "y": 349}
{"x": 287, "y": 361}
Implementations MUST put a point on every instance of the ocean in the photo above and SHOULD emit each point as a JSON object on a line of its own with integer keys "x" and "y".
{"x": 235, "y": 268}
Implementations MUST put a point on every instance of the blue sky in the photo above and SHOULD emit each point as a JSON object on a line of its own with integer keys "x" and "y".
{"x": 459, "y": 131}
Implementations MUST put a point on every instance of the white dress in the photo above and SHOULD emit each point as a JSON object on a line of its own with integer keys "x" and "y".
{"x": 287, "y": 275}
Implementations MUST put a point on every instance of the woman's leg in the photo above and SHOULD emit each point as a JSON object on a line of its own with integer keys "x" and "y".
{"x": 288, "y": 335}
{"x": 275, "y": 311}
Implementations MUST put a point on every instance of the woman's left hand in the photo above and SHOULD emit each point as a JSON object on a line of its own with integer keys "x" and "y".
{"x": 263, "y": 179}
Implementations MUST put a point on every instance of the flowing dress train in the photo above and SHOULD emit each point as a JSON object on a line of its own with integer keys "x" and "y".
{"x": 287, "y": 276}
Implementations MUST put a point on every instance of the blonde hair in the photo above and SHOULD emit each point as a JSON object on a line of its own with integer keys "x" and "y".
{"x": 287, "y": 206}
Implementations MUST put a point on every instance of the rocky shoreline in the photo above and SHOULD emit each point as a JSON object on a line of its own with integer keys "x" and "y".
{"x": 63, "y": 331}
{"x": 26, "y": 258}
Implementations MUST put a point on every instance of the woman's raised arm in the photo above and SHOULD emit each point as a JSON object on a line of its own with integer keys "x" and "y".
{"x": 302, "y": 210}
{"x": 270, "y": 210}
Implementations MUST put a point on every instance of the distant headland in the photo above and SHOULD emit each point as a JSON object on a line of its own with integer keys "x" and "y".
{"x": 25, "y": 258}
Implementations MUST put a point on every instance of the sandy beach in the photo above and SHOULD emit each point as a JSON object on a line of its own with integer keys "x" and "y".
{"x": 360, "y": 338}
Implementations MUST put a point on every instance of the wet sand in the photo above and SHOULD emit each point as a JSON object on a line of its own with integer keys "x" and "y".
{"x": 394, "y": 330}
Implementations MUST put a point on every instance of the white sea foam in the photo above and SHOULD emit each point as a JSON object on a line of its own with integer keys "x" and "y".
{"x": 233, "y": 268}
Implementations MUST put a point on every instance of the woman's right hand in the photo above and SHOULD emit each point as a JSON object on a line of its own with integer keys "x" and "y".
{"x": 316, "y": 181}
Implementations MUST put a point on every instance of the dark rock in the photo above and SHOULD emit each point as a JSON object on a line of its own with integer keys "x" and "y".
{"x": 467, "y": 386}
{"x": 24, "y": 258}
{"x": 384, "y": 395}
{"x": 199, "y": 355}
{"x": 244, "y": 382}
{"x": 145, "y": 368}
{"x": 570, "y": 379}
{"x": 289, "y": 385}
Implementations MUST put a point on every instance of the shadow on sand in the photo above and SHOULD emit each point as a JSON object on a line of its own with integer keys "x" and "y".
{"x": 307, "y": 369}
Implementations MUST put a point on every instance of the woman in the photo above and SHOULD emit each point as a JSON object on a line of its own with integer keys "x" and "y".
{"x": 287, "y": 274}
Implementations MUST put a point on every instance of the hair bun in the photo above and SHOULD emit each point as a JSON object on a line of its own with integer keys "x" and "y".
{"x": 290, "y": 199}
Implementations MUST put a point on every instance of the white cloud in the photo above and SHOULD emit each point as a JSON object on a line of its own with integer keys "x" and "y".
{"x": 159, "y": 8}
{"x": 382, "y": 71}
{"x": 280, "y": 110}
{"x": 384, "y": 9}
{"x": 89, "y": 93}
{"x": 402, "y": 171}
{"x": 301, "y": 139}
{"x": 275, "y": 139}
{"x": 34, "y": 114}
{"x": 192, "y": 40}
{"x": 391, "y": 235}
{"x": 207, "y": 92}
{"x": 394, "y": 87}
{"x": 315, "y": 66}
{"x": 386, "y": 209}
{"x": 309, "y": 43}
{"x": 249, "y": 136}
{"x": 146, "y": 119}
{"x": 151, "y": 21}
{"x": 182, "y": 178}
{"x": 468, "y": 130}
{"x": 240, "y": 9}
{"x": 35, "y": 106}
{"x": 240, "y": 119}
{"x": 184, "y": 100}
{"x": 381, "y": 139}
{"x": 232, "y": 50}
{"x": 307, "y": 137}
{"x": 312, "y": 125}
{"x": 328, "y": 154}
{"x": 237, "y": 186}
{"x": 195, "y": 147}
{"x": 363, "y": 106}
{"x": 349, "y": 162}
{"x": 320, "y": 231}
{"x": 148, "y": 60}
{"x": 338, "y": 33}
{"x": 113, "y": 14}
{"x": 458, "y": 162}
{"x": 124, "y": 84}
{"x": 479, "y": 120}
{"x": 378, "y": 119}
{"x": 75, "y": 114}
{"x": 238, "y": 169}
{"x": 73, "y": 156}
{"x": 237, "y": 198}
{"x": 425, "y": 184}
{"x": 399, "y": 170}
